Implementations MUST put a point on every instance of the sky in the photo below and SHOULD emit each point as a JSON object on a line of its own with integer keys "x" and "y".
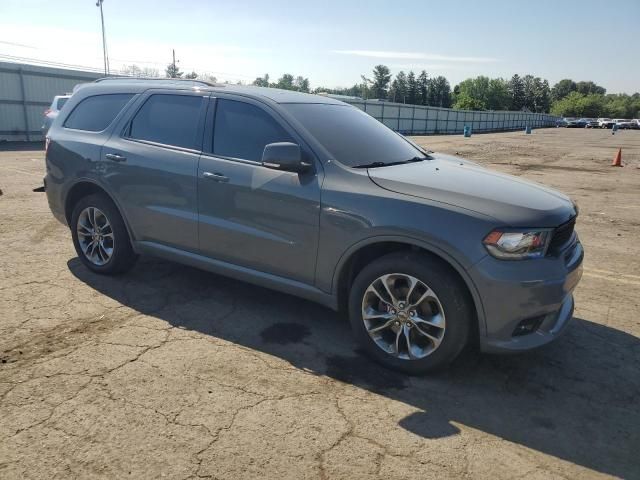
{"x": 334, "y": 42}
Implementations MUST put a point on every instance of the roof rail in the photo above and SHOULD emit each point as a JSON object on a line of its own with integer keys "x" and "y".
{"x": 158, "y": 79}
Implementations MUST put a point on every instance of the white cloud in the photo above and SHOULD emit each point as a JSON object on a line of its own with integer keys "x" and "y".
{"x": 414, "y": 56}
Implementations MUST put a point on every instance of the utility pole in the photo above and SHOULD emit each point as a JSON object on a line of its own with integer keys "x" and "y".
{"x": 174, "y": 61}
{"x": 104, "y": 39}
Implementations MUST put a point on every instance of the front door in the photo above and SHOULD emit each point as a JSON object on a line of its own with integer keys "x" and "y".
{"x": 250, "y": 215}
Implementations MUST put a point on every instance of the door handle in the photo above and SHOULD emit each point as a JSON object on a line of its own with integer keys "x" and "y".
{"x": 115, "y": 157}
{"x": 216, "y": 177}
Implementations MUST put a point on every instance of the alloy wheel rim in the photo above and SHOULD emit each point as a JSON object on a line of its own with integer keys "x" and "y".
{"x": 403, "y": 316}
{"x": 95, "y": 236}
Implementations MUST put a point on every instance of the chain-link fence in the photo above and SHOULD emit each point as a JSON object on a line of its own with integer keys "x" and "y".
{"x": 421, "y": 120}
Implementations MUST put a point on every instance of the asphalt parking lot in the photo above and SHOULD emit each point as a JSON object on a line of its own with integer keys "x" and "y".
{"x": 170, "y": 371}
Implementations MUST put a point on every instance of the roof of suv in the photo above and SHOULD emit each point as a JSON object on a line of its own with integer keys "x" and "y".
{"x": 137, "y": 85}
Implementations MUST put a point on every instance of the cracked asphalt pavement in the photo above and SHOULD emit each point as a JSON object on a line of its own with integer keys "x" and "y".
{"x": 173, "y": 372}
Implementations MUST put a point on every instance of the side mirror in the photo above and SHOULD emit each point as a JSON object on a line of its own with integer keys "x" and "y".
{"x": 284, "y": 156}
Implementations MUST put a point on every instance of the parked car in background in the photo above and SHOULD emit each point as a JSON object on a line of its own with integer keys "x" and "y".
{"x": 605, "y": 122}
{"x": 425, "y": 252}
{"x": 592, "y": 123}
{"x": 562, "y": 122}
{"x": 52, "y": 112}
{"x": 632, "y": 124}
{"x": 623, "y": 123}
{"x": 577, "y": 123}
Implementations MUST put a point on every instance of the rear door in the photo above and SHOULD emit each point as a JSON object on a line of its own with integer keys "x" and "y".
{"x": 151, "y": 163}
{"x": 250, "y": 215}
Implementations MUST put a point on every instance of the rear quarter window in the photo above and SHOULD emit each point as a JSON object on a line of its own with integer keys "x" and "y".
{"x": 94, "y": 114}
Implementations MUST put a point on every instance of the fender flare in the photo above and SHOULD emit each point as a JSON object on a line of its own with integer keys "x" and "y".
{"x": 85, "y": 180}
{"x": 427, "y": 246}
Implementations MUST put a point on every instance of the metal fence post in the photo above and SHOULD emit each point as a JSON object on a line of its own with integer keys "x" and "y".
{"x": 413, "y": 118}
{"x": 24, "y": 105}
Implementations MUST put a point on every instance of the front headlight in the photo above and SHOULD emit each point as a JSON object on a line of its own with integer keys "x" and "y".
{"x": 518, "y": 245}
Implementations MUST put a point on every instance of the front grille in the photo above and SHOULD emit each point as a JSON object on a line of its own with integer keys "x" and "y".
{"x": 562, "y": 235}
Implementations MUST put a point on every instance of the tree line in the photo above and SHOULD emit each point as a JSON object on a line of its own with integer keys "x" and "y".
{"x": 528, "y": 92}
{"x": 566, "y": 98}
{"x": 586, "y": 99}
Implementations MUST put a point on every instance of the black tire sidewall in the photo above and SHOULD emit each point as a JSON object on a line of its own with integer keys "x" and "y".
{"x": 123, "y": 256}
{"x": 450, "y": 291}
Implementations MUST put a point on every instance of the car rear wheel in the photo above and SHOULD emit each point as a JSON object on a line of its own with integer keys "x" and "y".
{"x": 410, "y": 312}
{"x": 100, "y": 237}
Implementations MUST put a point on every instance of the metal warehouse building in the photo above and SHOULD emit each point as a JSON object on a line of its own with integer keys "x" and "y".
{"x": 25, "y": 93}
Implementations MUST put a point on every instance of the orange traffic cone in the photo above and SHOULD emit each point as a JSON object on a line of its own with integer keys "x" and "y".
{"x": 617, "y": 160}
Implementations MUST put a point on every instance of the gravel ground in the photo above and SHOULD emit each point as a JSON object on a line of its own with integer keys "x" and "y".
{"x": 170, "y": 371}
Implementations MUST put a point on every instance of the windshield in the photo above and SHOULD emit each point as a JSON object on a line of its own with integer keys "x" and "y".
{"x": 352, "y": 136}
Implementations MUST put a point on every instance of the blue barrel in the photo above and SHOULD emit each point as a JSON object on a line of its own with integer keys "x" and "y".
{"x": 467, "y": 131}
{"x": 527, "y": 130}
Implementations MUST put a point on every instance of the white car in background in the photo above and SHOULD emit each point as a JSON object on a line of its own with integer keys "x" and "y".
{"x": 52, "y": 112}
{"x": 623, "y": 123}
{"x": 605, "y": 122}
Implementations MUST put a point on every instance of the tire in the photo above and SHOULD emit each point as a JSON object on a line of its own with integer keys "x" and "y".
{"x": 450, "y": 300}
{"x": 113, "y": 254}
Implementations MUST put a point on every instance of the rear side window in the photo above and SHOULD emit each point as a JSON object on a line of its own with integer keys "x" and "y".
{"x": 94, "y": 114}
{"x": 242, "y": 130}
{"x": 61, "y": 102}
{"x": 169, "y": 119}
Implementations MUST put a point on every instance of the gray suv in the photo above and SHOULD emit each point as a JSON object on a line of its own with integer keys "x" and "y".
{"x": 313, "y": 197}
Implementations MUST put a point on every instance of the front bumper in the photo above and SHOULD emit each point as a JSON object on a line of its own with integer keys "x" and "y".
{"x": 515, "y": 292}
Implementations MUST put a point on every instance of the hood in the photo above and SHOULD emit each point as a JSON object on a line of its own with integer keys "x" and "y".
{"x": 510, "y": 200}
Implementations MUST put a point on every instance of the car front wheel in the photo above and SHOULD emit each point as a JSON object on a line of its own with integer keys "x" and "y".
{"x": 410, "y": 312}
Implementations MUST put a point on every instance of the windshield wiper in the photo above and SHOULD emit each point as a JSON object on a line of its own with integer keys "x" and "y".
{"x": 372, "y": 165}
{"x": 382, "y": 164}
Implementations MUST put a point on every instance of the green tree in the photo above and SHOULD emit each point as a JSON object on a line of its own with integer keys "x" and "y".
{"x": 562, "y": 89}
{"x": 412, "y": 89}
{"x": 568, "y": 105}
{"x": 464, "y": 101}
{"x": 381, "y": 79}
{"x": 586, "y": 88}
{"x": 285, "y": 82}
{"x": 399, "y": 86}
{"x": 191, "y": 76}
{"x": 498, "y": 97}
{"x": 172, "y": 71}
{"x": 516, "y": 92}
{"x": 301, "y": 84}
{"x": 529, "y": 87}
{"x": 482, "y": 93}
{"x": 262, "y": 81}
{"x": 423, "y": 88}
{"x": 439, "y": 92}
{"x": 542, "y": 95}
{"x": 591, "y": 105}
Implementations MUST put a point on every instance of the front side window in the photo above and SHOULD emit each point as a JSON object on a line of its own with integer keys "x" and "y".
{"x": 243, "y": 130}
{"x": 168, "y": 119}
{"x": 94, "y": 114}
{"x": 352, "y": 136}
